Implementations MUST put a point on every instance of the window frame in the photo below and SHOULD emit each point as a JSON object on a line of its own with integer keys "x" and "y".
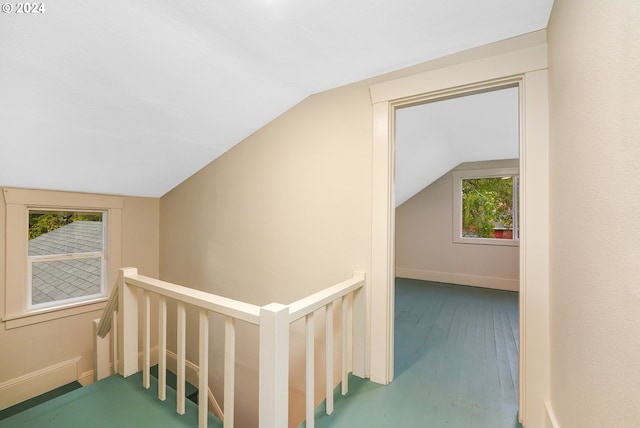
{"x": 69, "y": 256}
{"x": 458, "y": 176}
{"x": 18, "y": 310}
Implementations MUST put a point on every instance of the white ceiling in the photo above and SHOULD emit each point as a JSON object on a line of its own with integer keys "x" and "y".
{"x": 132, "y": 97}
{"x": 433, "y": 138}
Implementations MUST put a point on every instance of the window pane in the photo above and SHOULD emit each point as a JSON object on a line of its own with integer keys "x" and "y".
{"x": 66, "y": 251}
{"x": 65, "y": 279}
{"x": 487, "y": 208}
{"x": 58, "y": 232}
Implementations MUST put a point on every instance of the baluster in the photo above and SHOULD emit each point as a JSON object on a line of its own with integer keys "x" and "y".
{"x": 310, "y": 335}
{"x": 162, "y": 348}
{"x": 146, "y": 342}
{"x": 358, "y": 332}
{"x": 345, "y": 342}
{"x": 329, "y": 357}
{"x": 229, "y": 371}
{"x": 181, "y": 357}
{"x": 114, "y": 341}
{"x": 203, "y": 376}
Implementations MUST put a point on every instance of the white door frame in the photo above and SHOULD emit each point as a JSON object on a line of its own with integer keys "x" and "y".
{"x": 521, "y": 61}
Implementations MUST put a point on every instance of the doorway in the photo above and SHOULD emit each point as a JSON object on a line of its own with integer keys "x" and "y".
{"x": 456, "y": 170}
{"x": 456, "y": 192}
{"x": 527, "y": 69}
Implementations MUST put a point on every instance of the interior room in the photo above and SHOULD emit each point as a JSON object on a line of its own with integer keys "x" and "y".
{"x": 220, "y": 190}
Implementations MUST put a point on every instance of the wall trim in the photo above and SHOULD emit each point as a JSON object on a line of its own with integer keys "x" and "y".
{"x": 21, "y": 388}
{"x": 524, "y": 63}
{"x": 459, "y": 278}
{"x": 551, "y": 416}
{"x": 86, "y": 378}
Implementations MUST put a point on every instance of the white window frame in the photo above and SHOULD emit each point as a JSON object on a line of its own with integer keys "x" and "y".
{"x": 18, "y": 310}
{"x": 70, "y": 256}
{"x": 460, "y": 175}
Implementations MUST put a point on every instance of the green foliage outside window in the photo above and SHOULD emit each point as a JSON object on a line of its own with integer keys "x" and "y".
{"x": 487, "y": 203}
{"x": 42, "y": 222}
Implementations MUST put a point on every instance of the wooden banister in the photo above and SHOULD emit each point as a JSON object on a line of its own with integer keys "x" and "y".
{"x": 274, "y": 322}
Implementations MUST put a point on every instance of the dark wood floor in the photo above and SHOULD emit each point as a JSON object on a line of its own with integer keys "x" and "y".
{"x": 456, "y": 363}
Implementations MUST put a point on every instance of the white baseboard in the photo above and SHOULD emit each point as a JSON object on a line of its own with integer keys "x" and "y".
{"x": 32, "y": 384}
{"x": 19, "y": 389}
{"x": 86, "y": 378}
{"x": 459, "y": 278}
{"x": 552, "y": 421}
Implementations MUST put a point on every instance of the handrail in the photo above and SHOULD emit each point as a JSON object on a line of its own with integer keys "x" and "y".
{"x": 274, "y": 322}
{"x": 104, "y": 325}
{"x": 306, "y": 307}
{"x": 312, "y": 303}
{"x": 201, "y": 299}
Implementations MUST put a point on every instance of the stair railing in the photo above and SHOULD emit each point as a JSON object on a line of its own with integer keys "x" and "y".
{"x": 273, "y": 321}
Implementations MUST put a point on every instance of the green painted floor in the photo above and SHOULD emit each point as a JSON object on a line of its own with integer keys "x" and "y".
{"x": 456, "y": 363}
{"x": 43, "y": 398}
{"x": 456, "y": 366}
{"x": 113, "y": 402}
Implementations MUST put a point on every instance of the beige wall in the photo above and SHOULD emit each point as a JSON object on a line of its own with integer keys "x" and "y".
{"x": 140, "y": 235}
{"x": 30, "y": 348}
{"x": 285, "y": 213}
{"x": 425, "y": 248}
{"x": 595, "y": 212}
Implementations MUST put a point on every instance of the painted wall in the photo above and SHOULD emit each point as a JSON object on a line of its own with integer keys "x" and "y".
{"x": 595, "y": 212}
{"x": 285, "y": 213}
{"x": 34, "y": 347}
{"x": 424, "y": 241}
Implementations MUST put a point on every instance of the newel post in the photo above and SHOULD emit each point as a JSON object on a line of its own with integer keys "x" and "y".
{"x": 274, "y": 366}
{"x": 127, "y": 324}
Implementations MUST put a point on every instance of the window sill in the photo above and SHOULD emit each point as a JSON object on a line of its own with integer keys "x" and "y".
{"x": 488, "y": 241}
{"x": 49, "y": 314}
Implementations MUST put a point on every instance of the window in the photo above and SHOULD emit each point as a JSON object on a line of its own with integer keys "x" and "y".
{"x": 66, "y": 256}
{"x": 486, "y": 206}
{"x": 63, "y": 251}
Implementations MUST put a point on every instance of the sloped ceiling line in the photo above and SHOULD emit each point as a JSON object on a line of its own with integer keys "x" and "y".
{"x": 140, "y": 95}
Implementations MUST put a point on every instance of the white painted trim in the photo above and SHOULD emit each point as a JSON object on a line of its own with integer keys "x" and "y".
{"x": 22, "y": 320}
{"x": 459, "y": 278}
{"x": 201, "y": 299}
{"x": 516, "y": 60}
{"x": 381, "y": 296}
{"x": 534, "y": 249}
{"x": 86, "y": 378}
{"x": 32, "y": 384}
{"x": 273, "y": 366}
{"x": 17, "y": 312}
{"x": 552, "y": 420}
{"x": 522, "y": 61}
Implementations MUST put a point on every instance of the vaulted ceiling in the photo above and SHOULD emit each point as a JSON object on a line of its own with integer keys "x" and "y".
{"x": 433, "y": 138}
{"x": 132, "y": 97}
